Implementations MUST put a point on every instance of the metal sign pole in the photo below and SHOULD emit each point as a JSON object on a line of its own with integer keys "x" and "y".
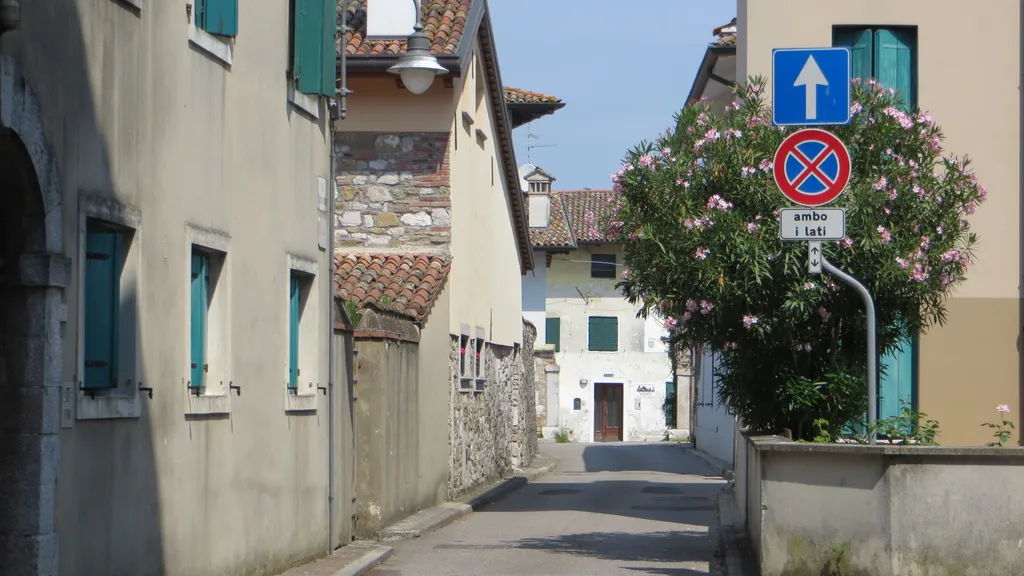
{"x": 869, "y": 305}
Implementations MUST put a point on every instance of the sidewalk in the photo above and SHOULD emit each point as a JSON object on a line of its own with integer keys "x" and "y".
{"x": 362, "y": 556}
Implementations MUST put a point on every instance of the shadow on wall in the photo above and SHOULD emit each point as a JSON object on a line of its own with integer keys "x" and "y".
{"x": 109, "y": 520}
{"x": 647, "y": 457}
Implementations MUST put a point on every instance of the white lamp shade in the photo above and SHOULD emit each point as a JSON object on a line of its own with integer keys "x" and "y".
{"x": 417, "y": 80}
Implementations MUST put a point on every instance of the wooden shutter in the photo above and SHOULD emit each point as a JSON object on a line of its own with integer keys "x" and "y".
{"x": 603, "y": 334}
{"x": 896, "y": 387}
{"x": 895, "y": 63}
{"x": 293, "y": 333}
{"x": 860, "y": 41}
{"x": 199, "y": 304}
{"x": 102, "y": 303}
{"x": 553, "y": 333}
{"x": 309, "y": 45}
{"x": 328, "y": 55}
{"x": 218, "y": 16}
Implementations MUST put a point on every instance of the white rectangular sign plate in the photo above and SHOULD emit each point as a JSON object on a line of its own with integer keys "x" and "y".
{"x": 814, "y": 257}
{"x": 812, "y": 224}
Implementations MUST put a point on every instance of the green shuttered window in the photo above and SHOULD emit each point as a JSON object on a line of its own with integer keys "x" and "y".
{"x": 200, "y": 306}
{"x": 217, "y": 16}
{"x": 314, "y": 63}
{"x": 103, "y": 262}
{"x": 293, "y": 331}
{"x": 604, "y": 333}
{"x": 553, "y": 333}
{"x": 889, "y": 56}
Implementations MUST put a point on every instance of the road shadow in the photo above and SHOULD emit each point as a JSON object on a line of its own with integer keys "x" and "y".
{"x": 668, "y": 458}
{"x": 661, "y": 547}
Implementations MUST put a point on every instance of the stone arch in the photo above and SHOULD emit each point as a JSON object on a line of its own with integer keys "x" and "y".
{"x": 33, "y": 275}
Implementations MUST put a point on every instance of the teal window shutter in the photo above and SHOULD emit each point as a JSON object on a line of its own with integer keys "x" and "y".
{"x": 199, "y": 304}
{"x": 308, "y": 45}
{"x": 860, "y": 41}
{"x": 898, "y": 386}
{"x": 553, "y": 333}
{"x": 329, "y": 58}
{"x": 217, "y": 16}
{"x": 895, "y": 63}
{"x": 293, "y": 332}
{"x": 102, "y": 304}
{"x": 603, "y": 333}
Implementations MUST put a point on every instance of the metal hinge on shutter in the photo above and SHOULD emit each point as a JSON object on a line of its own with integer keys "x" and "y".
{"x": 97, "y": 256}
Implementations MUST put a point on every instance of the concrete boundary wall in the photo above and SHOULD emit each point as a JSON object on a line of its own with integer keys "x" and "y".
{"x": 881, "y": 510}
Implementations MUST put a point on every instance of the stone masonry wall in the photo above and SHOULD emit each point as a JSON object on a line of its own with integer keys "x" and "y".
{"x": 394, "y": 191}
{"x": 493, "y": 431}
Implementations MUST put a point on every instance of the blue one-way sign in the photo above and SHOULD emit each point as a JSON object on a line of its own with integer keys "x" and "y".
{"x": 811, "y": 86}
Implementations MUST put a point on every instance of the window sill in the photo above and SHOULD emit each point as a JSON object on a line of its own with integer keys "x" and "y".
{"x": 108, "y": 407}
{"x": 300, "y": 402}
{"x": 466, "y": 385}
{"x": 211, "y": 44}
{"x": 308, "y": 103}
{"x": 206, "y": 403}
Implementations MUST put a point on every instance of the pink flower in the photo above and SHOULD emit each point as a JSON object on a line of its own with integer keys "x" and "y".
{"x": 671, "y": 323}
{"x": 749, "y": 321}
{"x": 951, "y": 256}
{"x": 919, "y": 191}
{"x": 918, "y": 274}
{"x": 706, "y": 307}
{"x": 733, "y": 133}
{"x": 935, "y": 144}
{"x": 846, "y": 242}
{"x": 970, "y": 207}
{"x": 711, "y": 135}
{"x": 462, "y": 351}
{"x": 687, "y": 315}
{"x": 691, "y": 305}
{"x": 718, "y": 202}
{"x": 825, "y": 314}
{"x": 965, "y": 262}
{"x": 810, "y": 286}
{"x": 892, "y": 194}
{"x": 766, "y": 165}
{"x": 666, "y": 151}
{"x": 804, "y": 347}
{"x": 625, "y": 274}
{"x": 882, "y": 182}
{"x": 754, "y": 89}
{"x": 646, "y": 161}
{"x": 689, "y": 223}
{"x": 731, "y": 345}
{"x": 753, "y": 227}
{"x": 746, "y": 171}
{"x": 734, "y": 105}
{"x": 900, "y": 116}
{"x": 680, "y": 181}
{"x": 924, "y": 118}
{"x": 886, "y": 236}
{"x": 903, "y": 263}
{"x": 856, "y": 108}
{"x": 982, "y": 192}
{"x": 1003, "y": 409}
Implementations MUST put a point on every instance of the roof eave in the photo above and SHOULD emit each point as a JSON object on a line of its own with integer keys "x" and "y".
{"x": 523, "y": 113}
{"x": 707, "y": 66}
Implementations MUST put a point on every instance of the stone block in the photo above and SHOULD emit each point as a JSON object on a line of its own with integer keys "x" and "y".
{"x": 360, "y": 179}
{"x": 367, "y": 221}
{"x": 379, "y": 240}
{"x": 30, "y": 409}
{"x": 416, "y": 219}
{"x": 29, "y": 458}
{"x": 440, "y": 217}
{"x": 378, "y": 194}
{"x": 377, "y": 164}
{"x": 397, "y": 231}
{"x": 349, "y": 193}
{"x": 387, "y": 219}
{"x": 388, "y": 179}
{"x": 351, "y": 219}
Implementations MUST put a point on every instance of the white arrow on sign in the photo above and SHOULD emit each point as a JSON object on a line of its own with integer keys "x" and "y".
{"x": 814, "y": 257}
{"x": 810, "y": 78}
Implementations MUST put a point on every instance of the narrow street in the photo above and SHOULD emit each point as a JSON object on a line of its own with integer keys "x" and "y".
{"x": 647, "y": 508}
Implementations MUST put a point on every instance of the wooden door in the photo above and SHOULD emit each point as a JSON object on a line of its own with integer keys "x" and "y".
{"x": 608, "y": 413}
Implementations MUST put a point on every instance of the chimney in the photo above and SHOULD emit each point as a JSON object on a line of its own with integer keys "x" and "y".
{"x": 539, "y": 196}
{"x": 390, "y": 18}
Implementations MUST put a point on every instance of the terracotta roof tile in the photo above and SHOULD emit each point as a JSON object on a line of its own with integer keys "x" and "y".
{"x": 406, "y": 284}
{"x": 589, "y": 212}
{"x": 518, "y": 96}
{"x": 444, "y": 22}
{"x": 557, "y": 234}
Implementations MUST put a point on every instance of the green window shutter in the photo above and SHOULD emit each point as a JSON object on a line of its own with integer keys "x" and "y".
{"x": 895, "y": 63}
{"x": 860, "y": 41}
{"x": 293, "y": 333}
{"x": 199, "y": 305}
{"x": 102, "y": 303}
{"x": 671, "y": 401}
{"x": 309, "y": 45}
{"x": 898, "y": 386}
{"x": 328, "y": 55}
{"x": 218, "y": 16}
{"x": 603, "y": 334}
{"x": 553, "y": 333}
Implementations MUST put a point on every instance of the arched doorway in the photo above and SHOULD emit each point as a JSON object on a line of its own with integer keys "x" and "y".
{"x": 29, "y": 369}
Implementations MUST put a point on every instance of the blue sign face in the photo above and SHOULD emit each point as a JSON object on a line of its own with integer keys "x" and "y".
{"x": 811, "y": 86}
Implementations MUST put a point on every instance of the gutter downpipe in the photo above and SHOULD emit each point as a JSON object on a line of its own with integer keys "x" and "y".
{"x": 336, "y": 110}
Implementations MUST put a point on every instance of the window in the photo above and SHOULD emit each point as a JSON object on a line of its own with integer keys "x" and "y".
{"x": 294, "y": 316}
{"x": 577, "y": 404}
{"x": 207, "y": 332}
{"x": 313, "y": 28}
{"x": 888, "y": 55}
{"x": 218, "y": 17}
{"x": 553, "y": 333}
{"x": 465, "y": 361}
{"x": 602, "y": 266}
{"x": 104, "y": 261}
{"x": 303, "y": 345}
{"x": 199, "y": 306}
{"x": 604, "y": 334}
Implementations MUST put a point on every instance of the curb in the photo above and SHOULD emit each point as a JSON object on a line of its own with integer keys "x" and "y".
{"x": 431, "y": 519}
{"x": 734, "y": 565}
{"x": 374, "y": 557}
{"x": 718, "y": 466}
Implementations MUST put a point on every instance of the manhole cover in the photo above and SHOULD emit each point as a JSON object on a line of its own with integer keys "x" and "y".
{"x": 668, "y": 508}
{"x": 559, "y": 492}
{"x": 661, "y": 490}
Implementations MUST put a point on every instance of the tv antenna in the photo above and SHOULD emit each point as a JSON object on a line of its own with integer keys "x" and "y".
{"x": 529, "y": 146}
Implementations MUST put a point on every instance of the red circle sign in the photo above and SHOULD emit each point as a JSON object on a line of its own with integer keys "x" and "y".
{"x": 812, "y": 167}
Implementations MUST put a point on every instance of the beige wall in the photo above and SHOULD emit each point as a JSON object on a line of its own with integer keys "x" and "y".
{"x": 434, "y": 385}
{"x": 970, "y": 365}
{"x": 486, "y": 285}
{"x": 136, "y": 114}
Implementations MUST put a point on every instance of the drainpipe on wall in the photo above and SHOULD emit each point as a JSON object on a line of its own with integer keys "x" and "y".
{"x": 10, "y": 16}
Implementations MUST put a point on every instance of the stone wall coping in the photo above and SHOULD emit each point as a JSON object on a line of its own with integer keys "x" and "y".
{"x": 781, "y": 444}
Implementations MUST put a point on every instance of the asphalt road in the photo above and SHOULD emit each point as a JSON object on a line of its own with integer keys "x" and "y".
{"x": 642, "y": 508}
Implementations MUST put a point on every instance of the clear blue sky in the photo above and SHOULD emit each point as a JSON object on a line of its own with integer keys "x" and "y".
{"x": 623, "y": 68}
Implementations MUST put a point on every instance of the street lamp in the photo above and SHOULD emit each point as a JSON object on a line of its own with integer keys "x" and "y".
{"x": 417, "y": 66}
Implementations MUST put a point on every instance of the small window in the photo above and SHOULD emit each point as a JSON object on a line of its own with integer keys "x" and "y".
{"x": 577, "y": 404}
{"x": 302, "y": 348}
{"x": 104, "y": 261}
{"x": 218, "y": 17}
{"x": 887, "y": 54}
{"x": 312, "y": 45}
{"x": 553, "y": 333}
{"x": 199, "y": 304}
{"x": 478, "y": 364}
{"x": 207, "y": 323}
{"x": 465, "y": 362}
{"x": 602, "y": 266}
{"x": 294, "y": 316}
{"x": 603, "y": 334}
